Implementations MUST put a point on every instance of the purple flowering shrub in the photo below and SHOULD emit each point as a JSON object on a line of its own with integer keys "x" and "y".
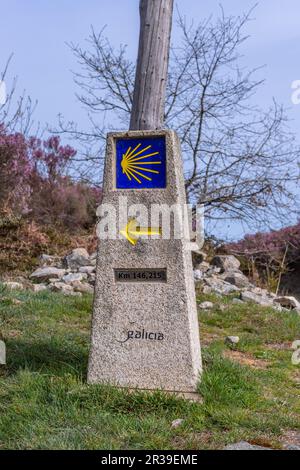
{"x": 15, "y": 171}
{"x": 266, "y": 256}
{"x": 34, "y": 185}
{"x": 272, "y": 244}
{"x": 49, "y": 158}
{"x": 64, "y": 203}
{"x": 56, "y": 199}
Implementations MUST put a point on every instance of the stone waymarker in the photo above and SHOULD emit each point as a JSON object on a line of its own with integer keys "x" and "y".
{"x": 145, "y": 329}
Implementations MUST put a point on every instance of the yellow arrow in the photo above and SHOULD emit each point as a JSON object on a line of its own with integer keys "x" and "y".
{"x": 132, "y": 231}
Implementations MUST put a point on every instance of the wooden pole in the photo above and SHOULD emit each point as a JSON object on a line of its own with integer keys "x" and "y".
{"x": 152, "y": 65}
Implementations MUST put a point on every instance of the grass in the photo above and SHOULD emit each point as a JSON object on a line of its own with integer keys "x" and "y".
{"x": 251, "y": 393}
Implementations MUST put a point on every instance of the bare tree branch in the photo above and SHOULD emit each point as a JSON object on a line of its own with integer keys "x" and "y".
{"x": 16, "y": 114}
{"x": 241, "y": 162}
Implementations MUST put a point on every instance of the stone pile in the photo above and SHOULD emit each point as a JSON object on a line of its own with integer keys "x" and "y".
{"x": 72, "y": 275}
{"x": 222, "y": 276}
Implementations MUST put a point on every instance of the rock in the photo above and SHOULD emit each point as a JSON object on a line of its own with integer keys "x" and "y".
{"x": 69, "y": 278}
{"x": 226, "y": 263}
{"x": 93, "y": 255}
{"x": 237, "y": 301}
{"x": 87, "y": 269}
{"x": 223, "y": 307}
{"x": 61, "y": 287}
{"x": 204, "y": 266}
{"x": 48, "y": 260}
{"x": 82, "y": 287}
{"x": 219, "y": 286}
{"x": 13, "y": 285}
{"x": 279, "y": 308}
{"x": 288, "y": 302}
{"x": 77, "y": 258}
{"x": 197, "y": 275}
{"x": 198, "y": 257}
{"x": 212, "y": 271}
{"x": 206, "y": 290}
{"x": 238, "y": 279}
{"x": 39, "y": 287}
{"x": 65, "y": 289}
{"x": 291, "y": 447}
{"x": 291, "y": 440}
{"x": 206, "y": 305}
{"x": 176, "y": 423}
{"x": 232, "y": 340}
{"x": 260, "y": 291}
{"x": 243, "y": 445}
{"x": 73, "y": 294}
{"x": 44, "y": 274}
{"x": 250, "y": 296}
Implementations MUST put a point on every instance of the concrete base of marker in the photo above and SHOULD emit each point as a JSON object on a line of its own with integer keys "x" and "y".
{"x": 163, "y": 352}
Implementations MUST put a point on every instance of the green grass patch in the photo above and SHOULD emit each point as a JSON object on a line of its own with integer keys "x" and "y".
{"x": 45, "y": 402}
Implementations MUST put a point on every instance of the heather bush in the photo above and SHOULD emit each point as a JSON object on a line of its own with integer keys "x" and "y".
{"x": 64, "y": 203}
{"x": 56, "y": 199}
{"x": 15, "y": 171}
{"x": 49, "y": 158}
{"x": 272, "y": 244}
{"x": 34, "y": 184}
{"x": 269, "y": 255}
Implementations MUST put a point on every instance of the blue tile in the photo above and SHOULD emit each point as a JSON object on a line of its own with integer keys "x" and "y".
{"x": 141, "y": 163}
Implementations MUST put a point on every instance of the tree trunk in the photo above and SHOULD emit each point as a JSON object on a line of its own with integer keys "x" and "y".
{"x": 152, "y": 65}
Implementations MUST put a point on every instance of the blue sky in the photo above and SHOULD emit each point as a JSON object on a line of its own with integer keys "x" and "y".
{"x": 36, "y": 31}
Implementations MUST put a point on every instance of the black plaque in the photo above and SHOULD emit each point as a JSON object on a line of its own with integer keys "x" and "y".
{"x": 141, "y": 275}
